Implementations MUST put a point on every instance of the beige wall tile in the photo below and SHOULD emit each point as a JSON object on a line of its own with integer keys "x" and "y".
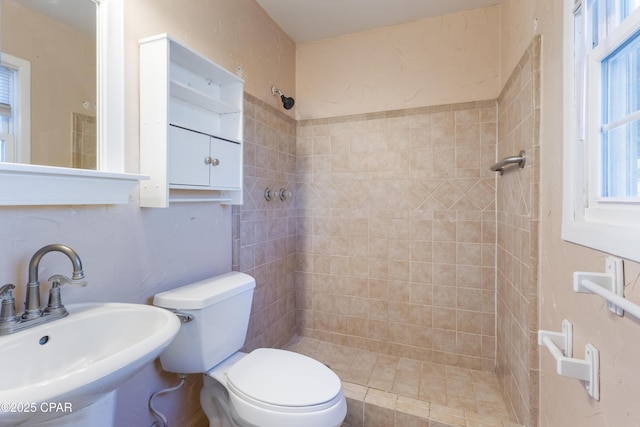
{"x": 419, "y": 247}
{"x": 515, "y": 265}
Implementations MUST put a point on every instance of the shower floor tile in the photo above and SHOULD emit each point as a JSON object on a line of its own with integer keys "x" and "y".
{"x": 449, "y": 395}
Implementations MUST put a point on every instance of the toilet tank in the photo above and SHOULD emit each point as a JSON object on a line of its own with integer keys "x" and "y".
{"x": 220, "y": 307}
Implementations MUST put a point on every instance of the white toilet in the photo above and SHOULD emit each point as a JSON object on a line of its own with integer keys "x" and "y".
{"x": 265, "y": 388}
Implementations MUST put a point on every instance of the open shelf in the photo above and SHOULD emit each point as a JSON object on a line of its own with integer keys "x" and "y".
{"x": 190, "y": 126}
{"x": 200, "y": 99}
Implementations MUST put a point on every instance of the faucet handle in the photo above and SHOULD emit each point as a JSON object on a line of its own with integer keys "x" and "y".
{"x": 5, "y": 291}
{"x": 8, "y": 306}
{"x": 55, "y": 303}
{"x": 58, "y": 280}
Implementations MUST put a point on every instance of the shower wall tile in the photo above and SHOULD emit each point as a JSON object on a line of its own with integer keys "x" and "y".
{"x": 264, "y": 232}
{"x": 84, "y": 141}
{"x": 396, "y": 232}
{"x": 517, "y": 240}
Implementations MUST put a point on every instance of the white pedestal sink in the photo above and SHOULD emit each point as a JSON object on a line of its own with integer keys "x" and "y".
{"x": 68, "y": 370}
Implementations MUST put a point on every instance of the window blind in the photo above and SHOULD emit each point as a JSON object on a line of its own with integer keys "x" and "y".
{"x": 6, "y": 90}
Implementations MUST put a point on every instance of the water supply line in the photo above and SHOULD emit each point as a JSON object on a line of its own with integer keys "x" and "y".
{"x": 163, "y": 419}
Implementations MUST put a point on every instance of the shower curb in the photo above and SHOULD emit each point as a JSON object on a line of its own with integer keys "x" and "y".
{"x": 369, "y": 407}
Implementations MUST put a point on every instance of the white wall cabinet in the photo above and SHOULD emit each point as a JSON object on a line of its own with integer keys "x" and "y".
{"x": 191, "y": 126}
{"x": 202, "y": 160}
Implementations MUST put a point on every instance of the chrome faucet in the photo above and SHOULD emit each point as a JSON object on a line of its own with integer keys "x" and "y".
{"x": 33, "y": 314}
{"x": 32, "y": 302}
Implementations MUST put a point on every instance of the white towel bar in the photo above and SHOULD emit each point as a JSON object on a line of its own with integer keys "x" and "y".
{"x": 562, "y": 340}
{"x": 587, "y": 286}
{"x": 587, "y": 369}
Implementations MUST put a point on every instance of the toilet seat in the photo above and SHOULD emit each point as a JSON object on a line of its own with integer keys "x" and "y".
{"x": 272, "y": 378}
{"x": 271, "y": 388}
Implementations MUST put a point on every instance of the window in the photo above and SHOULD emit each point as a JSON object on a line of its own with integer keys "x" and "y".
{"x": 15, "y": 81}
{"x": 602, "y": 140}
{"x": 6, "y": 121}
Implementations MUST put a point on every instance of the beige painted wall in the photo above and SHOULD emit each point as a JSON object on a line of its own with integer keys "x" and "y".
{"x": 563, "y": 402}
{"x": 518, "y": 26}
{"x": 445, "y": 60}
{"x": 231, "y": 33}
{"x": 63, "y": 75}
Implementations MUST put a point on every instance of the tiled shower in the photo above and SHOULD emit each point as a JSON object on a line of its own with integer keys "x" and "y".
{"x": 396, "y": 233}
{"x": 390, "y": 241}
{"x": 264, "y": 232}
{"x": 517, "y": 245}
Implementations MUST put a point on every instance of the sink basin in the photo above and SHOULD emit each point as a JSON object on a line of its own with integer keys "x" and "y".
{"x": 76, "y": 360}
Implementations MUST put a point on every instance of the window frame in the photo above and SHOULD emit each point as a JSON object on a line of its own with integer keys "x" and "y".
{"x": 609, "y": 225}
{"x": 9, "y": 143}
{"x": 20, "y": 139}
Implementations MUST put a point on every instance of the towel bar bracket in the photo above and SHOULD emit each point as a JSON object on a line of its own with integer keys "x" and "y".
{"x": 612, "y": 280}
{"x": 586, "y": 370}
{"x": 563, "y": 340}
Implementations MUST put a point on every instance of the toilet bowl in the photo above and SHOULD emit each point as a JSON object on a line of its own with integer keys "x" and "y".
{"x": 264, "y": 388}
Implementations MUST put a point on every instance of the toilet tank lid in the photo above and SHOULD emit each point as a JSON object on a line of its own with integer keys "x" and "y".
{"x": 198, "y": 295}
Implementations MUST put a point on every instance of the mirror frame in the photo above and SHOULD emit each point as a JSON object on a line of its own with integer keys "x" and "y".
{"x": 24, "y": 184}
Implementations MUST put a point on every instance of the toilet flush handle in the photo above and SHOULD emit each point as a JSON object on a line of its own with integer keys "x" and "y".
{"x": 184, "y": 317}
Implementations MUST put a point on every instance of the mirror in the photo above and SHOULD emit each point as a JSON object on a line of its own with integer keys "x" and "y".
{"x": 29, "y": 184}
{"x": 58, "y": 40}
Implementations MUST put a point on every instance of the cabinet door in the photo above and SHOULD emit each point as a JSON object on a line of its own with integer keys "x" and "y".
{"x": 226, "y": 167}
{"x": 188, "y": 154}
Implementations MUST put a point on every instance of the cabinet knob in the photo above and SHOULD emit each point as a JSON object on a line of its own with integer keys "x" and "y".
{"x": 211, "y": 161}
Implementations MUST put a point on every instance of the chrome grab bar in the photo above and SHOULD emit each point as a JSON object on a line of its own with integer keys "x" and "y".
{"x": 520, "y": 159}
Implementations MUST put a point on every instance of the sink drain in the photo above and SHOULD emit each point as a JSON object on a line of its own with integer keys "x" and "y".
{"x": 44, "y": 340}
